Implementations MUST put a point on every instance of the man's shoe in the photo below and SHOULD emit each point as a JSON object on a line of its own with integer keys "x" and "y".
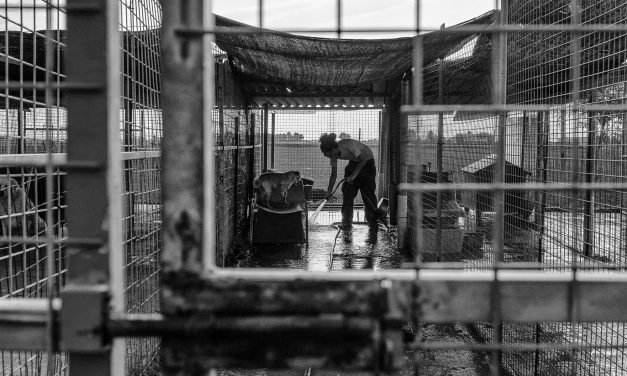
{"x": 373, "y": 233}
{"x": 385, "y": 221}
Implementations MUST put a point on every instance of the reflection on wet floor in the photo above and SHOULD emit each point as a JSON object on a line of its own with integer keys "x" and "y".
{"x": 330, "y": 248}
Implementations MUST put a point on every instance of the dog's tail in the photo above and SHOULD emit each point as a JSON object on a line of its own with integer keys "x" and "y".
{"x": 256, "y": 184}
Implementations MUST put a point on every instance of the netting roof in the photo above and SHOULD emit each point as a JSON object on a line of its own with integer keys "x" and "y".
{"x": 317, "y": 71}
{"x": 277, "y": 67}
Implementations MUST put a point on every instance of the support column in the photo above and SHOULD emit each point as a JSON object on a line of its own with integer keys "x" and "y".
{"x": 94, "y": 211}
{"x": 188, "y": 176}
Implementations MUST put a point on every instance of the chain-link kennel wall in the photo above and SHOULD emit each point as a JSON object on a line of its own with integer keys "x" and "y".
{"x": 238, "y": 131}
{"x": 571, "y": 229}
{"x": 534, "y": 115}
{"x": 33, "y": 129}
{"x": 296, "y": 147}
{"x": 558, "y": 230}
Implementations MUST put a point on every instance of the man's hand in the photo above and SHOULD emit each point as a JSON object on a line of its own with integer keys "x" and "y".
{"x": 329, "y": 196}
{"x": 350, "y": 179}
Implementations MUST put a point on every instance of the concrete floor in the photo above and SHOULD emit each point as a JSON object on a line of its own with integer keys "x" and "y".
{"x": 330, "y": 250}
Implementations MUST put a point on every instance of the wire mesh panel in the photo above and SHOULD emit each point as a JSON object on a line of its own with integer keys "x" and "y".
{"x": 556, "y": 229}
{"x": 238, "y": 139}
{"x": 567, "y": 144}
{"x": 33, "y": 123}
{"x": 295, "y": 141}
{"x": 32, "y": 198}
{"x": 141, "y": 132}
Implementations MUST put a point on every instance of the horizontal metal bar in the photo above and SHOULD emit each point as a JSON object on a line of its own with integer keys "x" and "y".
{"x": 464, "y": 29}
{"x": 26, "y": 310}
{"x": 79, "y": 86}
{"x": 33, "y": 160}
{"x": 43, "y": 240}
{"x": 457, "y": 346}
{"x": 153, "y": 325}
{"x": 435, "y": 109}
{"x": 60, "y": 160}
{"x": 329, "y": 107}
{"x": 491, "y": 266}
{"x": 498, "y": 187}
{"x": 227, "y": 148}
{"x": 58, "y": 6}
{"x": 442, "y": 296}
{"x": 134, "y": 155}
{"x": 23, "y": 323}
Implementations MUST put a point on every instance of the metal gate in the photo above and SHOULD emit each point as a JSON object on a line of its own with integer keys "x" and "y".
{"x": 214, "y": 317}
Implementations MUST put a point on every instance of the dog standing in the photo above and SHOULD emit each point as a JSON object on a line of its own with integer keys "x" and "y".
{"x": 268, "y": 182}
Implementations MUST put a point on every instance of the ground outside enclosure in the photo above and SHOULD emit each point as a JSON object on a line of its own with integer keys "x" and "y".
{"x": 330, "y": 250}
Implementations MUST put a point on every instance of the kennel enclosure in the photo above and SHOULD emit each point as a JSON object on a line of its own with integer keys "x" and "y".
{"x": 174, "y": 205}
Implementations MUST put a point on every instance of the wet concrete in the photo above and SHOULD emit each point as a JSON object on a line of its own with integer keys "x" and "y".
{"x": 330, "y": 248}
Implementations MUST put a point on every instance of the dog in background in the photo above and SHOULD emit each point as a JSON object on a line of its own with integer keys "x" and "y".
{"x": 268, "y": 182}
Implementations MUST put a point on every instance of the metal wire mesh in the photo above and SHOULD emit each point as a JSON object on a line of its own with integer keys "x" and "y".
{"x": 141, "y": 131}
{"x": 296, "y": 146}
{"x": 238, "y": 137}
{"x": 33, "y": 122}
{"x": 556, "y": 229}
{"x": 573, "y": 228}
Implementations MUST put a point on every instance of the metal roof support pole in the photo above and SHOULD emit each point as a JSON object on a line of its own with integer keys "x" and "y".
{"x": 405, "y": 151}
{"x": 382, "y": 153}
{"x": 236, "y": 183}
{"x": 499, "y": 79}
{"x": 251, "y": 157}
{"x": 623, "y": 169}
{"x": 588, "y": 211}
{"x": 439, "y": 158}
{"x": 273, "y": 138}
{"x": 188, "y": 160}
{"x": 395, "y": 123}
{"x": 265, "y": 137}
{"x": 95, "y": 194}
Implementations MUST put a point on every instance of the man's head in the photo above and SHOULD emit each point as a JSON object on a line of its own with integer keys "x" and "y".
{"x": 328, "y": 146}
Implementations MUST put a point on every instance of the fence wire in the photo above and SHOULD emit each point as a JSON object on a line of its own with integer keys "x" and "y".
{"x": 33, "y": 122}
{"x": 565, "y": 229}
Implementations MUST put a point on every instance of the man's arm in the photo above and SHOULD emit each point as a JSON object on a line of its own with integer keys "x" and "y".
{"x": 332, "y": 177}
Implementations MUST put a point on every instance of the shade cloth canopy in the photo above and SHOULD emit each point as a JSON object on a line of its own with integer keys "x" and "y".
{"x": 285, "y": 69}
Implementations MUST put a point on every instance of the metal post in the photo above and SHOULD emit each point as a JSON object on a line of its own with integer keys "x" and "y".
{"x": 265, "y": 137}
{"x": 523, "y": 136}
{"x": 499, "y": 77}
{"x": 538, "y": 167}
{"x": 623, "y": 164}
{"x": 272, "y": 147}
{"x": 236, "y": 180}
{"x": 544, "y": 177}
{"x": 588, "y": 212}
{"x": 440, "y": 175}
{"x": 251, "y": 158}
{"x": 94, "y": 194}
{"x": 20, "y": 129}
{"x": 188, "y": 174}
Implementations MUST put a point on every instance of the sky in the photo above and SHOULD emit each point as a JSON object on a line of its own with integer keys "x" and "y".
{"x": 289, "y": 15}
{"x": 321, "y": 14}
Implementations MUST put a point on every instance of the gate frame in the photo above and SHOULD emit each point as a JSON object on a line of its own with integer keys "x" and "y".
{"x": 426, "y": 292}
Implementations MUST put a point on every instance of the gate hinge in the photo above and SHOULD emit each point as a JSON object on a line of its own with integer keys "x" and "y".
{"x": 83, "y": 317}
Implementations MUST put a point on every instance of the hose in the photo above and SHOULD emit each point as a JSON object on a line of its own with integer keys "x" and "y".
{"x": 314, "y": 216}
